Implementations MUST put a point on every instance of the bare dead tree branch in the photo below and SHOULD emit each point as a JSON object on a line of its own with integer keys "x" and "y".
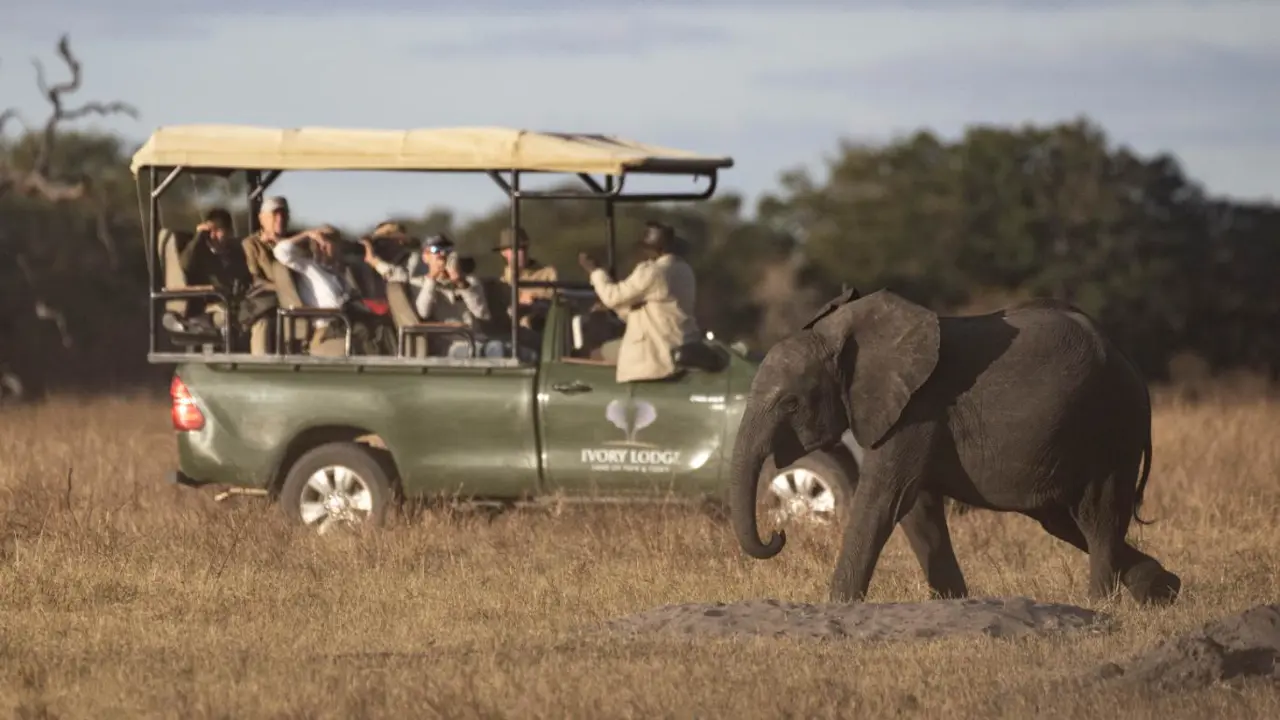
{"x": 37, "y": 181}
{"x": 41, "y": 180}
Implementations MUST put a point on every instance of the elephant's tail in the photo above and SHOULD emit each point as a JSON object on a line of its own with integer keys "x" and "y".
{"x": 1146, "y": 452}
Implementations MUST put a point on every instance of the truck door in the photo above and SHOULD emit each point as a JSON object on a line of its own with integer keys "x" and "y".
{"x": 599, "y": 435}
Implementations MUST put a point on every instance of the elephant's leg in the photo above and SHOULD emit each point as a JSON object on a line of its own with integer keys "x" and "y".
{"x": 1063, "y": 524}
{"x": 1144, "y": 577}
{"x": 1147, "y": 580}
{"x": 885, "y": 494}
{"x": 865, "y": 534}
{"x": 1103, "y": 517}
{"x": 925, "y": 526}
{"x": 1094, "y": 519}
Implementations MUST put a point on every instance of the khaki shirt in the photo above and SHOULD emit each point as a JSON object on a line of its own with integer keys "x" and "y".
{"x": 259, "y": 257}
{"x": 656, "y": 301}
{"x": 533, "y": 271}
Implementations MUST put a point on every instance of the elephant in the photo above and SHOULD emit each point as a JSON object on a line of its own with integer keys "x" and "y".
{"x": 1029, "y": 409}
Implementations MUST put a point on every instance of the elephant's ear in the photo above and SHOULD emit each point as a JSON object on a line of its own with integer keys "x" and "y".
{"x": 843, "y": 298}
{"x": 894, "y": 350}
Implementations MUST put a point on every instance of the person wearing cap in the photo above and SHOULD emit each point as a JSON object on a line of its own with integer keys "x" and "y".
{"x": 656, "y": 301}
{"x": 411, "y": 268}
{"x": 258, "y": 308}
{"x": 445, "y": 293}
{"x": 273, "y": 218}
{"x": 517, "y": 255}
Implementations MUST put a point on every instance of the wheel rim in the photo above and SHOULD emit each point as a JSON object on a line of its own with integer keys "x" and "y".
{"x": 802, "y": 496}
{"x": 335, "y": 496}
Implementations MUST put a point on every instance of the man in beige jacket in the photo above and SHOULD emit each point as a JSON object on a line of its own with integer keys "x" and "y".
{"x": 656, "y": 301}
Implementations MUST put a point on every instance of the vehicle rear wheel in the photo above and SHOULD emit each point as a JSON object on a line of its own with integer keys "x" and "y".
{"x": 335, "y": 485}
{"x": 815, "y": 491}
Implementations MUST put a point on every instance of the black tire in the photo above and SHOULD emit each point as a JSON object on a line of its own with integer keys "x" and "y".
{"x": 349, "y": 455}
{"x": 838, "y": 474}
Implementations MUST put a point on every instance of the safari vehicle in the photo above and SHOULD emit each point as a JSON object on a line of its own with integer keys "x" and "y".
{"x": 336, "y": 437}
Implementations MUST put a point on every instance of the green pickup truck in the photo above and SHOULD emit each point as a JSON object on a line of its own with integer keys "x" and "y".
{"x": 337, "y": 438}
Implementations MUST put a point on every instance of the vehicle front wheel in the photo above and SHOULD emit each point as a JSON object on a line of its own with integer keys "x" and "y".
{"x": 336, "y": 485}
{"x": 815, "y": 491}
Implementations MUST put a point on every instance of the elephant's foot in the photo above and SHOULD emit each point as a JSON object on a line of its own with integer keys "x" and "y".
{"x": 844, "y": 595}
{"x": 1150, "y": 584}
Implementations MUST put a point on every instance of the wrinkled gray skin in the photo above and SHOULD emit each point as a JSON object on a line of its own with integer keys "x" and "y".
{"x": 1028, "y": 410}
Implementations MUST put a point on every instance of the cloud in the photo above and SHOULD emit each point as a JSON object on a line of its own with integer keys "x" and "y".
{"x": 1183, "y": 92}
{"x": 616, "y": 35}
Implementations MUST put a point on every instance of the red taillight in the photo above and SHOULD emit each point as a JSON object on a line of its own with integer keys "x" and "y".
{"x": 186, "y": 415}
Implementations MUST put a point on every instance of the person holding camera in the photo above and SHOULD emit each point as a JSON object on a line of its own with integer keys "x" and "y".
{"x": 445, "y": 293}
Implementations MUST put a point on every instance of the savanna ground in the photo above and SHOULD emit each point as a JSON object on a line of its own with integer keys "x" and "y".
{"x": 121, "y": 596}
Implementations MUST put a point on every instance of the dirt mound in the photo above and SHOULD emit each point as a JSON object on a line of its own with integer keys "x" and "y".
{"x": 1236, "y": 647}
{"x": 995, "y": 617}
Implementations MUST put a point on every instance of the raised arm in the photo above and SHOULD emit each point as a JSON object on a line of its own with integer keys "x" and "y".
{"x": 624, "y": 294}
{"x": 391, "y": 272}
{"x": 290, "y": 253}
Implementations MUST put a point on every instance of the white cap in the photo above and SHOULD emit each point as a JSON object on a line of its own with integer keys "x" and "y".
{"x": 274, "y": 203}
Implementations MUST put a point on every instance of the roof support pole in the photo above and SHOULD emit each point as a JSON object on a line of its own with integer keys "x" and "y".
{"x": 156, "y": 192}
{"x": 611, "y": 249}
{"x": 514, "y": 193}
{"x": 255, "y": 199}
{"x": 258, "y": 183}
{"x": 153, "y": 248}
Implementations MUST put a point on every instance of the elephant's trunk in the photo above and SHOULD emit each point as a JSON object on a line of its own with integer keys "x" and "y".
{"x": 750, "y": 451}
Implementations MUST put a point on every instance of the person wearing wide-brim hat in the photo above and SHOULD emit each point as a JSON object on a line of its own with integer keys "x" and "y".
{"x": 514, "y": 249}
{"x": 656, "y": 301}
{"x": 390, "y": 240}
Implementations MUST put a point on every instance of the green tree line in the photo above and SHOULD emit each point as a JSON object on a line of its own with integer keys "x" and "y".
{"x": 963, "y": 226}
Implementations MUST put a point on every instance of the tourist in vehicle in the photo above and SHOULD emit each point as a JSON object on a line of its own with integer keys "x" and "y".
{"x": 407, "y": 264}
{"x": 215, "y": 258}
{"x": 656, "y": 301}
{"x": 532, "y": 301}
{"x": 449, "y": 295}
{"x": 444, "y": 293}
{"x": 259, "y": 306}
{"x": 391, "y": 243}
{"x": 212, "y": 258}
{"x": 323, "y": 283}
{"x": 274, "y": 220}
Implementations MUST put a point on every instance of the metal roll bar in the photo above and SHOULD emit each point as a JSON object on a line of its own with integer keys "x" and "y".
{"x": 610, "y": 191}
{"x": 285, "y": 336}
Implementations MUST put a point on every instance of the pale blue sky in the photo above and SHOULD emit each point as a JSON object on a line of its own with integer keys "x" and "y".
{"x": 772, "y": 84}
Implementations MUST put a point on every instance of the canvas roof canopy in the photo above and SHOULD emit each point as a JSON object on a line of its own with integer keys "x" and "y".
{"x": 232, "y": 147}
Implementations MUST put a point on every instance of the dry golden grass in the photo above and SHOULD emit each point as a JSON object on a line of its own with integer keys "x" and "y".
{"x": 124, "y": 597}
